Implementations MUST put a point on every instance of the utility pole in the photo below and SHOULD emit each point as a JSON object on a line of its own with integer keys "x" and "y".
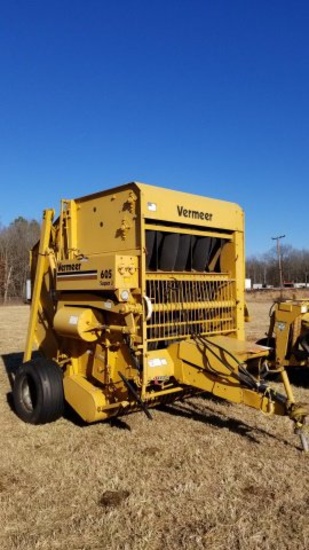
{"x": 279, "y": 260}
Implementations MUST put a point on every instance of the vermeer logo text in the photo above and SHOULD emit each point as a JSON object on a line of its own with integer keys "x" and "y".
{"x": 194, "y": 214}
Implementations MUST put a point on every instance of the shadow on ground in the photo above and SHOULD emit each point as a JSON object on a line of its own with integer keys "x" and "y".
{"x": 11, "y": 362}
{"x": 184, "y": 409}
{"x": 219, "y": 420}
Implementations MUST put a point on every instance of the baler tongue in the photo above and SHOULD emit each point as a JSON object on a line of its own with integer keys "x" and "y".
{"x": 221, "y": 365}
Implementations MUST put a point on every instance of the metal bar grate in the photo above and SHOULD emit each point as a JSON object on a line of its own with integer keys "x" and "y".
{"x": 184, "y": 305}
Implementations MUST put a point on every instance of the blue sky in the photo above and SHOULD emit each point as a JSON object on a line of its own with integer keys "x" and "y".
{"x": 205, "y": 96}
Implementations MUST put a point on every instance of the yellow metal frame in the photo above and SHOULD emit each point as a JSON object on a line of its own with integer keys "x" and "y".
{"x": 41, "y": 267}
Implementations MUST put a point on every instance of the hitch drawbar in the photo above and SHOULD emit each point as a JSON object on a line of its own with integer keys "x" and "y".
{"x": 221, "y": 365}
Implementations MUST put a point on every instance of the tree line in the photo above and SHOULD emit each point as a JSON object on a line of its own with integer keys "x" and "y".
{"x": 18, "y": 238}
{"x": 265, "y": 269}
{"x": 16, "y": 241}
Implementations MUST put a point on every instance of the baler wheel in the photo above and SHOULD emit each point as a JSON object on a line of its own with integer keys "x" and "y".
{"x": 38, "y": 391}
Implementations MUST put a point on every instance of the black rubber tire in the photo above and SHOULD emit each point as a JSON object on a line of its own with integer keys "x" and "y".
{"x": 38, "y": 391}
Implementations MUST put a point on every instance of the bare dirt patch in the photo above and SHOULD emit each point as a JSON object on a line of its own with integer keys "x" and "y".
{"x": 202, "y": 474}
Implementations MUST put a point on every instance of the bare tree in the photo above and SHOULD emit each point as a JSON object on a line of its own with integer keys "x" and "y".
{"x": 16, "y": 241}
{"x": 264, "y": 269}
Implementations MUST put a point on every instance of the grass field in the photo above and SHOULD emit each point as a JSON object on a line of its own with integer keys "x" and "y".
{"x": 203, "y": 474}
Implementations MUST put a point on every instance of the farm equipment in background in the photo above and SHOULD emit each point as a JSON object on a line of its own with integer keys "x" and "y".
{"x": 288, "y": 334}
{"x": 138, "y": 299}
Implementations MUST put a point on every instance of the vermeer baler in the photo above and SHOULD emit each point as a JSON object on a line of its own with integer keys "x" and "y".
{"x": 138, "y": 299}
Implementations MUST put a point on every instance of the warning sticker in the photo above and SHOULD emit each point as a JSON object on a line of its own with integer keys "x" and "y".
{"x": 73, "y": 320}
{"x": 157, "y": 362}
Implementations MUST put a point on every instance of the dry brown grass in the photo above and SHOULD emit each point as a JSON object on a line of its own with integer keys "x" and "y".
{"x": 202, "y": 474}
